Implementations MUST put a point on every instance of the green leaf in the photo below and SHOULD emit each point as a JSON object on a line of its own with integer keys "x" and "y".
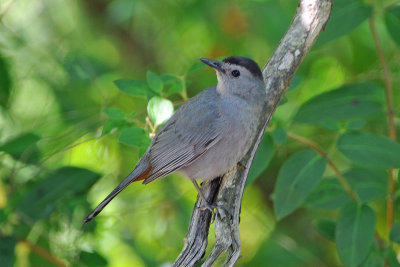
{"x": 367, "y": 184}
{"x": 392, "y": 21}
{"x": 23, "y": 148}
{"x": 327, "y": 229}
{"x": 369, "y": 150}
{"x": 262, "y": 158}
{"x": 346, "y": 16}
{"x": 173, "y": 84}
{"x": 356, "y": 124}
{"x": 112, "y": 125}
{"x": 7, "y": 251}
{"x": 154, "y": 81}
{"x": 92, "y": 259}
{"x": 395, "y": 233}
{"x": 134, "y": 88}
{"x": 196, "y": 66}
{"x": 114, "y": 113}
{"x": 328, "y": 194}
{"x": 135, "y": 137}
{"x": 391, "y": 258}
{"x": 279, "y": 135}
{"x": 355, "y": 233}
{"x": 297, "y": 178}
{"x": 295, "y": 82}
{"x": 5, "y": 82}
{"x": 346, "y": 102}
{"x": 58, "y": 187}
{"x": 159, "y": 110}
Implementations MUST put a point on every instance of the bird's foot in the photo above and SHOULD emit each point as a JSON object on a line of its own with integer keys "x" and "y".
{"x": 213, "y": 208}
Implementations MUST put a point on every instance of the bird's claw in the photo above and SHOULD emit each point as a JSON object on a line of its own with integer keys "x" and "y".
{"x": 213, "y": 208}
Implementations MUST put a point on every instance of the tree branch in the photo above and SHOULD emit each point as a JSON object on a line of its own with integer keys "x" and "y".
{"x": 311, "y": 17}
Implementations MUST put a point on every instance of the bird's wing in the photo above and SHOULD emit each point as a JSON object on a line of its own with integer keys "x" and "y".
{"x": 195, "y": 127}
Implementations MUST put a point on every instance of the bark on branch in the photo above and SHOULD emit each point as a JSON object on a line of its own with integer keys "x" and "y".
{"x": 310, "y": 18}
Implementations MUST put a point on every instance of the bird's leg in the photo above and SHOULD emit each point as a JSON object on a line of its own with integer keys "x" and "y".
{"x": 207, "y": 206}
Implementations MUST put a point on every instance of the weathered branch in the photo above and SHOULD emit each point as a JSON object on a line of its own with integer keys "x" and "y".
{"x": 311, "y": 17}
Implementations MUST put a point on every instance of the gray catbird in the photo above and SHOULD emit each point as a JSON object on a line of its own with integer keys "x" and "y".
{"x": 209, "y": 134}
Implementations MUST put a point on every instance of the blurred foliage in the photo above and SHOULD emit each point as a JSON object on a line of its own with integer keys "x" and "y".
{"x": 84, "y": 85}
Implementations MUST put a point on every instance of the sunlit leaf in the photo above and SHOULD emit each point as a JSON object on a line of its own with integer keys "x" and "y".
{"x": 159, "y": 110}
{"x": 327, "y": 229}
{"x": 355, "y": 233}
{"x": 346, "y": 16}
{"x": 134, "y": 88}
{"x": 369, "y": 150}
{"x": 262, "y": 158}
{"x": 7, "y": 251}
{"x": 328, "y": 194}
{"x": 23, "y": 148}
{"x": 114, "y": 113}
{"x": 392, "y": 21}
{"x": 349, "y": 101}
{"x": 154, "y": 81}
{"x": 367, "y": 184}
{"x": 297, "y": 178}
{"x": 5, "y": 82}
{"x": 135, "y": 137}
{"x": 395, "y": 233}
{"x": 59, "y": 186}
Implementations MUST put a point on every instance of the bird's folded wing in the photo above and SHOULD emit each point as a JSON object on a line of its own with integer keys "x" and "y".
{"x": 194, "y": 128}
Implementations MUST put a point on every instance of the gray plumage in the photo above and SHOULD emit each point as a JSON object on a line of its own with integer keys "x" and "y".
{"x": 210, "y": 133}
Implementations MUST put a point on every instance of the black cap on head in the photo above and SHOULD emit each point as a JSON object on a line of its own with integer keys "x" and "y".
{"x": 247, "y": 63}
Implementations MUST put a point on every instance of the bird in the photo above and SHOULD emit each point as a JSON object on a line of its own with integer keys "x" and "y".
{"x": 209, "y": 134}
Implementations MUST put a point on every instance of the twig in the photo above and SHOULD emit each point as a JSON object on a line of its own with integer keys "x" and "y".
{"x": 339, "y": 175}
{"x": 390, "y": 115}
{"x": 43, "y": 253}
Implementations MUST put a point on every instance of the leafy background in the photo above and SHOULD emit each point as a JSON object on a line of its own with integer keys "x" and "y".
{"x": 84, "y": 85}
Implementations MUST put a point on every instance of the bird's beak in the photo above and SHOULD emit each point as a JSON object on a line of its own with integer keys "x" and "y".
{"x": 212, "y": 63}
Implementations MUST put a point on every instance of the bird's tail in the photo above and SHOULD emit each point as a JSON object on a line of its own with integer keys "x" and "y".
{"x": 140, "y": 172}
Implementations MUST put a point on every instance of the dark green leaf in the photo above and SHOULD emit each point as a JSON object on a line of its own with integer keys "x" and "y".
{"x": 327, "y": 229}
{"x": 367, "y": 184}
{"x": 196, "y": 66}
{"x": 23, "y": 148}
{"x": 391, "y": 258}
{"x": 346, "y": 16}
{"x": 5, "y": 82}
{"x": 134, "y": 88}
{"x": 392, "y": 21}
{"x": 279, "y": 135}
{"x": 349, "y": 101}
{"x": 297, "y": 178}
{"x": 376, "y": 257}
{"x": 355, "y": 233}
{"x": 356, "y": 124}
{"x": 329, "y": 194}
{"x": 135, "y": 137}
{"x": 92, "y": 259}
{"x": 154, "y": 81}
{"x": 7, "y": 251}
{"x": 369, "y": 150}
{"x": 330, "y": 124}
{"x": 59, "y": 186}
{"x": 262, "y": 158}
{"x": 284, "y": 100}
{"x": 112, "y": 125}
{"x": 173, "y": 84}
{"x": 159, "y": 110}
{"x": 395, "y": 233}
{"x": 295, "y": 82}
{"x": 114, "y": 113}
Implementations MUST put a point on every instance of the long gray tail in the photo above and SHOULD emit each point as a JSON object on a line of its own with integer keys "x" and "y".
{"x": 140, "y": 172}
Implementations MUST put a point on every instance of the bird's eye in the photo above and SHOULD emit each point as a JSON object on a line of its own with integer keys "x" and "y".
{"x": 235, "y": 73}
